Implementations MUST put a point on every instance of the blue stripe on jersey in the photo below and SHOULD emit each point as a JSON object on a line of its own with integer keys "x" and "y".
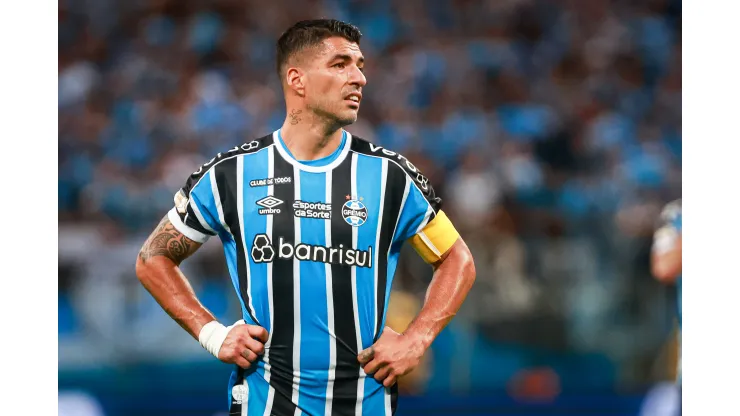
{"x": 374, "y": 401}
{"x": 414, "y": 212}
{"x": 372, "y": 193}
{"x": 367, "y": 234}
{"x": 255, "y": 166}
{"x": 391, "y": 270}
{"x": 202, "y": 196}
{"x": 314, "y": 326}
{"x": 258, "y": 392}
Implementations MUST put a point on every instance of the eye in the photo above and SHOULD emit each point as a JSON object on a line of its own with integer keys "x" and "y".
{"x": 339, "y": 65}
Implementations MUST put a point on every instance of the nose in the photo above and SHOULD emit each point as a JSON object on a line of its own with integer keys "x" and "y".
{"x": 357, "y": 78}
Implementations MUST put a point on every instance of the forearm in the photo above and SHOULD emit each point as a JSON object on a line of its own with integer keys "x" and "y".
{"x": 449, "y": 287}
{"x": 163, "y": 279}
{"x": 158, "y": 270}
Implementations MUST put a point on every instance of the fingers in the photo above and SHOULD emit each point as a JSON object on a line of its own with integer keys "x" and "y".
{"x": 249, "y": 355}
{"x": 389, "y": 381}
{"x": 242, "y": 362}
{"x": 366, "y": 355}
{"x": 381, "y": 374}
{"x": 254, "y": 345}
{"x": 373, "y": 366}
{"x": 257, "y": 332}
{"x": 241, "y": 347}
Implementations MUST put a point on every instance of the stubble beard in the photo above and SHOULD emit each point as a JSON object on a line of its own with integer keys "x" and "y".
{"x": 334, "y": 119}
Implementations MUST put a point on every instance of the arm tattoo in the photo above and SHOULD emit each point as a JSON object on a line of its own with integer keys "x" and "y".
{"x": 168, "y": 242}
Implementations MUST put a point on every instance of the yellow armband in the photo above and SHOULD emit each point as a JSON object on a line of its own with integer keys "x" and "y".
{"x": 435, "y": 239}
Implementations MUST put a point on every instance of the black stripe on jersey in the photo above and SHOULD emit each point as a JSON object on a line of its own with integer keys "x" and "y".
{"x": 394, "y": 398}
{"x": 281, "y": 347}
{"x": 226, "y": 181}
{"x": 394, "y": 190}
{"x": 192, "y": 220}
{"x": 347, "y": 371}
{"x": 362, "y": 146}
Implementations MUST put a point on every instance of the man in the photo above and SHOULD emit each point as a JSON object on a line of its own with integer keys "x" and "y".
{"x": 312, "y": 220}
{"x": 666, "y": 258}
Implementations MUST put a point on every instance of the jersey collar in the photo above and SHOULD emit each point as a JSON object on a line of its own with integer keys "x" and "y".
{"x": 290, "y": 159}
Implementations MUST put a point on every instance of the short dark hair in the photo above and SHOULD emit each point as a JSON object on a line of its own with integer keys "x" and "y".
{"x": 308, "y": 33}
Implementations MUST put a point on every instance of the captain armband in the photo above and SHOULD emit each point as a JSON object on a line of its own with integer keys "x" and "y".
{"x": 435, "y": 239}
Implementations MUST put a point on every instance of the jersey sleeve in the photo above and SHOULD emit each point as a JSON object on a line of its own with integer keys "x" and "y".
{"x": 195, "y": 213}
{"x": 422, "y": 222}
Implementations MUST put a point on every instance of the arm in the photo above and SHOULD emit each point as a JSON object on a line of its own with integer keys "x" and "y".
{"x": 666, "y": 264}
{"x": 395, "y": 355}
{"x": 157, "y": 268}
{"x": 666, "y": 256}
{"x": 454, "y": 275}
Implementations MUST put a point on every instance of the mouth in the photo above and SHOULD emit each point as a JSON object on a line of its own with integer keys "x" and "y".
{"x": 354, "y": 99}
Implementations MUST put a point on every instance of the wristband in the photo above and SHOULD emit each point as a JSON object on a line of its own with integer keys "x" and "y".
{"x": 213, "y": 335}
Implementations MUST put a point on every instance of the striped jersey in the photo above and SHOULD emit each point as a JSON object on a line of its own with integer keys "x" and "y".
{"x": 312, "y": 248}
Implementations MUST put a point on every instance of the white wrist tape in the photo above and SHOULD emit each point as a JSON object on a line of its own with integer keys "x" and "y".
{"x": 213, "y": 334}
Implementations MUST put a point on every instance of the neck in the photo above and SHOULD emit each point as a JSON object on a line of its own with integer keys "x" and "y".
{"x": 309, "y": 138}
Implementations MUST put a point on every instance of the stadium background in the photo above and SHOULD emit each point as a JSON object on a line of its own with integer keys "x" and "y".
{"x": 552, "y": 128}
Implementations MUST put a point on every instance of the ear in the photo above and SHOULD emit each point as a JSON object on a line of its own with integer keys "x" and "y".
{"x": 296, "y": 80}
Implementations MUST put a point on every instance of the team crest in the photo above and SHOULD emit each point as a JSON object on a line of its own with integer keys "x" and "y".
{"x": 240, "y": 392}
{"x": 354, "y": 212}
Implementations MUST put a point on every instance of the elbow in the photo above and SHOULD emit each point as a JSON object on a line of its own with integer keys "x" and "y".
{"x": 468, "y": 268}
{"x": 142, "y": 269}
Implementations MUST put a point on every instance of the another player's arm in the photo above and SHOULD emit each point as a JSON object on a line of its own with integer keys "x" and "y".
{"x": 158, "y": 270}
{"x": 666, "y": 257}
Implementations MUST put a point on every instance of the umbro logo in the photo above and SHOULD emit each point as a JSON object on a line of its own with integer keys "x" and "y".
{"x": 269, "y": 203}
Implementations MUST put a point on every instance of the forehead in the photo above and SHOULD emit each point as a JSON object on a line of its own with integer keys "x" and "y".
{"x": 330, "y": 47}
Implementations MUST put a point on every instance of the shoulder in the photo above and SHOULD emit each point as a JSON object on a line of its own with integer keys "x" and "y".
{"x": 249, "y": 147}
{"x": 397, "y": 161}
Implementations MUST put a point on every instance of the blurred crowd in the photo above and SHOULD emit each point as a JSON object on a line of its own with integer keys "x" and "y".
{"x": 551, "y": 128}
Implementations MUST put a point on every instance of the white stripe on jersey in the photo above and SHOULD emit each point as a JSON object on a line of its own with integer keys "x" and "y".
{"x": 330, "y": 310}
{"x": 245, "y": 404}
{"x": 268, "y": 367}
{"x": 387, "y": 397}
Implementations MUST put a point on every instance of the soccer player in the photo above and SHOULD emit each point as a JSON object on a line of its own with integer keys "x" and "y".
{"x": 666, "y": 258}
{"x": 312, "y": 220}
